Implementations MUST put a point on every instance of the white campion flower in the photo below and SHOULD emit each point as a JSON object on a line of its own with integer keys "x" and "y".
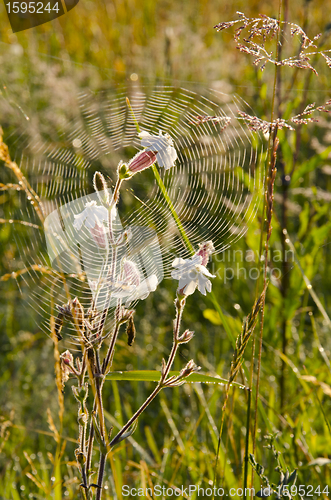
{"x": 132, "y": 293}
{"x": 192, "y": 273}
{"x": 130, "y": 287}
{"x": 162, "y": 145}
{"x": 92, "y": 217}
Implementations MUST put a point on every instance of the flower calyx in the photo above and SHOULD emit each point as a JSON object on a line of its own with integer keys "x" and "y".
{"x": 186, "y": 337}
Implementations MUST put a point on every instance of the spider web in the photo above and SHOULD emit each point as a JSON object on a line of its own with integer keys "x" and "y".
{"x": 215, "y": 185}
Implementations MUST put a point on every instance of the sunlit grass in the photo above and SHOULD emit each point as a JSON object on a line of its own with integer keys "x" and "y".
{"x": 176, "y": 441}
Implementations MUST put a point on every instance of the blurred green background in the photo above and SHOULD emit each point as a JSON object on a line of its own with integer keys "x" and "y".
{"x": 100, "y": 46}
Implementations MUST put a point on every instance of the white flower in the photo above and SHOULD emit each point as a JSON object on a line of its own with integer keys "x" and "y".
{"x": 163, "y": 145}
{"x": 92, "y": 215}
{"x": 94, "y": 285}
{"x": 144, "y": 289}
{"x": 191, "y": 275}
{"x": 131, "y": 273}
{"x": 135, "y": 292}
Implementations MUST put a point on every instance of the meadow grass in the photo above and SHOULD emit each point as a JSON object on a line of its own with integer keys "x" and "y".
{"x": 177, "y": 439}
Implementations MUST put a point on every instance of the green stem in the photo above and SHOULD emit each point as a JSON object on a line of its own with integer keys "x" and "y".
{"x": 164, "y": 191}
{"x": 100, "y": 476}
{"x": 247, "y": 440}
{"x": 223, "y": 319}
{"x": 172, "y": 209}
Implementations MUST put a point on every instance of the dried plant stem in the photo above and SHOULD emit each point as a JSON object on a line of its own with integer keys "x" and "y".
{"x": 244, "y": 337}
{"x": 89, "y": 447}
{"x": 238, "y": 358}
{"x": 98, "y": 387}
{"x": 165, "y": 372}
{"x": 58, "y": 379}
{"x": 246, "y": 458}
{"x": 116, "y": 193}
{"x": 103, "y": 437}
{"x": 98, "y": 402}
{"x": 97, "y": 370}
{"x": 101, "y": 472}
{"x": 23, "y": 183}
{"x": 9, "y": 185}
{"x": 110, "y": 354}
{"x": 269, "y": 210}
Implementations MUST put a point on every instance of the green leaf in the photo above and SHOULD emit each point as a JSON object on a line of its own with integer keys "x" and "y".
{"x": 154, "y": 376}
{"x": 310, "y": 165}
{"x": 15, "y": 494}
{"x": 304, "y": 220}
{"x": 58, "y": 481}
{"x": 152, "y": 444}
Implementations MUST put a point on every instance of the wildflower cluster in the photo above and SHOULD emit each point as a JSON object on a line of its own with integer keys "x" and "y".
{"x": 119, "y": 282}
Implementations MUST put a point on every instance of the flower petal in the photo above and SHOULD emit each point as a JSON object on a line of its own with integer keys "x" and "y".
{"x": 79, "y": 220}
{"x": 95, "y": 215}
{"x": 205, "y": 271}
{"x": 146, "y": 286}
{"x": 99, "y": 235}
{"x": 190, "y": 287}
{"x": 166, "y": 157}
{"x": 163, "y": 145}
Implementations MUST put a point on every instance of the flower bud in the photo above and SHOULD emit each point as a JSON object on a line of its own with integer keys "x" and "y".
{"x": 77, "y": 311}
{"x": 80, "y": 457}
{"x": 67, "y": 365}
{"x": 82, "y": 418}
{"x": 191, "y": 367}
{"x": 67, "y": 358}
{"x": 131, "y": 331}
{"x": 123, "y": 171}
{"x": 186, "y": 337}
{"x": 101, "y": 188}
{"x": 80, "y": 393}
{"x": 142, "y": 160}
